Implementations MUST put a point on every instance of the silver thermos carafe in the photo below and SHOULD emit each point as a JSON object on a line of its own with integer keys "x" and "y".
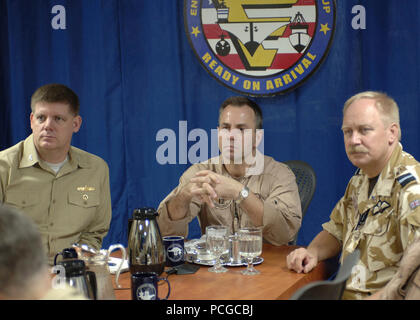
{"x": 77, "y": 277}
{"x": 145, "y": 244}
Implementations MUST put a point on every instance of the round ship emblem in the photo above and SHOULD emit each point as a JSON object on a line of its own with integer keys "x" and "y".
{"x": 175, "y": 252}
{"x": 260, "y": 47}
{"x": 146, "y": 291}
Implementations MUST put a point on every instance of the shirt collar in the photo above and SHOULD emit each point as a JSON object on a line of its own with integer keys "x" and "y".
{"x": 30, "y": 155}
{"x": 76, "y": 158}
{"x": 388, "y": 174}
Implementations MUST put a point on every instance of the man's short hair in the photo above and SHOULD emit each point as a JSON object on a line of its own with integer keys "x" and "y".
{"x": 54, "y": 92}
{"x": 384, "y": 104}
{"x": 22, "y": 254}
{"x": 239, "y": 101}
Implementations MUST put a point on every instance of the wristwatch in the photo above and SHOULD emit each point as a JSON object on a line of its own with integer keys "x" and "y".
{"x": 243, "y": 194}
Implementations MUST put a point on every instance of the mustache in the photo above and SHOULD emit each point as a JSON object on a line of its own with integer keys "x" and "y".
{"x": 357, "y": 149}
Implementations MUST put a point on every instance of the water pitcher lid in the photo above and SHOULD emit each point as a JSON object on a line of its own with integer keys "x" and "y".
{"x": 145, "y": 213}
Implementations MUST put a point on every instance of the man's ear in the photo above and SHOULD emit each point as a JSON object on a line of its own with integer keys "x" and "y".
{"x": 31, "y": 117}
{"x": 394, "y": 131}
{"x": 77, "y": 123}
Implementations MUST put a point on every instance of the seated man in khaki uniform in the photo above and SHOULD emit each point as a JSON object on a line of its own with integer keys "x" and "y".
{"x": 379, "y": 213}
{"x": 239, "y": 188}
{"x": 63, "y": 189}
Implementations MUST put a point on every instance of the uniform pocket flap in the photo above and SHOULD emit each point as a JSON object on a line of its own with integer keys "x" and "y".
{"x": 378, "y": 227}
{"x": 22, "y": 199}
{"x": 84, "y": 199}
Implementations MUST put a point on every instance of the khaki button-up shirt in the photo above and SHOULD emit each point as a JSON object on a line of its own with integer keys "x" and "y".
{"x": 275, "y": 186}
{"x": 381, "y": 225}
{"x": 73, "y": 205}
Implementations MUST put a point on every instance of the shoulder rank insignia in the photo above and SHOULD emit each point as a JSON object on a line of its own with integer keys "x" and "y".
{"x": 405, "y": 179}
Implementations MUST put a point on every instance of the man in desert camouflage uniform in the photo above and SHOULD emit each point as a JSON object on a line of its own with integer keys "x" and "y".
{"x": 380, "y": 211}
{"x": 405, "y": 284}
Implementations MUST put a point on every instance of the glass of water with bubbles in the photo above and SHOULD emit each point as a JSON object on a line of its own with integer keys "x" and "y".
{"x": 250, "y": 247}
{"x": 217, "y": 240}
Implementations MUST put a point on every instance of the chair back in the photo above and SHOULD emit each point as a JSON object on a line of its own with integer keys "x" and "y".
{"x": 329, "y": 289}
{"x": 306, "y": 182}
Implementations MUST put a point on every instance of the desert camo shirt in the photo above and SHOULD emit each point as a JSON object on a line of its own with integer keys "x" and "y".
{"x": 275, "y": 186}
{"x": 405, "y": 284}
{"x": 381, "y": 226}
{"x": 73, "y": 205}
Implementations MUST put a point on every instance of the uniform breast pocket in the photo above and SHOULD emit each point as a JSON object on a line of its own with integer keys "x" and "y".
{"x": 22, "y": 199}
{"x": 84, "y": 200}
{"x": 380, "y": 236}
{"x": 83, "y": 207}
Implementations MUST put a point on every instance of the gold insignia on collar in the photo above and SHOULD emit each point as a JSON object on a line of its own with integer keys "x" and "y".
{"x": 86, "y": 188}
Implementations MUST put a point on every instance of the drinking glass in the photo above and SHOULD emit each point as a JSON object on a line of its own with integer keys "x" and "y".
{"x": 217, "y": 239}
{"x": 250, "y": 247}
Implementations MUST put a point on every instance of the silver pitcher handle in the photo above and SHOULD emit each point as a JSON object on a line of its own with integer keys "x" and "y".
{"x": 124, "y": 256}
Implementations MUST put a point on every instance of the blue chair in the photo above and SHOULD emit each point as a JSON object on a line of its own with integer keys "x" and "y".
{"x": 306, "y": 182}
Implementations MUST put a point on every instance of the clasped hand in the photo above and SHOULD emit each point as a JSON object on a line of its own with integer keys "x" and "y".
{"x": 209, "y": 186}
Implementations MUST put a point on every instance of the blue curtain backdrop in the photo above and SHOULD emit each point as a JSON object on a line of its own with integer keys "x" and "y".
{"x": 135, "y": 73}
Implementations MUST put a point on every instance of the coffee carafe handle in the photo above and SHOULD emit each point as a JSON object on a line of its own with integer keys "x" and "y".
{"x": 123, "y": 258}
{"x": 56, "y": 256}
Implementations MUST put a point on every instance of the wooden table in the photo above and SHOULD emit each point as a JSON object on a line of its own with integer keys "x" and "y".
{"x": 275, "y": 282}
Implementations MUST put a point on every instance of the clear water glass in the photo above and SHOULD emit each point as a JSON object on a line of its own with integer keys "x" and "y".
{"x": 217, "y": 240}
{"x": 250, "y": 247}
